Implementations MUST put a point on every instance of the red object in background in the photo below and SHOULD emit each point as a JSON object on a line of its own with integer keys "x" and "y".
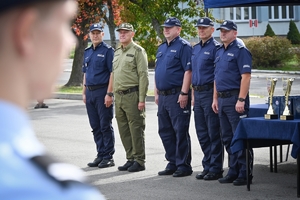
{"x": 253, "y": 23}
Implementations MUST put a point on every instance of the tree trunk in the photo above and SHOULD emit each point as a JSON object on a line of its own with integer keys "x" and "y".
{"x": 111, "y": 24}
{"x": 76, "y": 76}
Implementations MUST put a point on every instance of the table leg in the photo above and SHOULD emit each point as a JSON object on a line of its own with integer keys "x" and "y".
{"x": 298, "y": 175}
{"x": 280, "y": 153}
{"x": 248, "y": 166}
{"x": 275, "y": 159}
{"x": 271, "y": 159}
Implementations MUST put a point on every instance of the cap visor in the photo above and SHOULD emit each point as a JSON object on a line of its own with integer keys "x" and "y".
{"x": 202, "y": 25}
{"x": 96, "y": 29}
{"x": 228, "y": 29}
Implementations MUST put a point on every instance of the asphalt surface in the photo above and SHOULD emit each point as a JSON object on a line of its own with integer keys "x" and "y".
{"x": 64, "y": 129}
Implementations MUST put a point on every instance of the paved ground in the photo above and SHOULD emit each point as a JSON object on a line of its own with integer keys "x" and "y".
{"x": 65, "y": 131}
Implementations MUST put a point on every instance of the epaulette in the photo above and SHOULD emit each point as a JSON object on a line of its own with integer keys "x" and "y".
{"x": 137, "y": 48}
{"x": 219, "y": 47}
{"x": 163, "y": 43}
{"x": 88, "y": 48}
{"x": 106, "y": 45}
{"x": 217, "y": 44}
{"x": 184, "y": 42}
{"x": 240, "y": 45}
{"x": 197, "y": 44}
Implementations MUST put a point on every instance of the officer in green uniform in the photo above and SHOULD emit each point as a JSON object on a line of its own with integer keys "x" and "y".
{"x": 130, "y": 72}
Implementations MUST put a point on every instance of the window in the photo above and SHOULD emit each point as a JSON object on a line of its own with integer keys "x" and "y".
{"x": 281, "y": 12}
{"x": 243, "y": 13}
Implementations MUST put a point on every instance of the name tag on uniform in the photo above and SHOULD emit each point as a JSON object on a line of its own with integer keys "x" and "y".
{"x": 207, "y": 53}
{"x": 173, "y": 51}
{"x": 230, "y": 54}
{"x": 100, "y": 55}
{"x": 130, "y": 55}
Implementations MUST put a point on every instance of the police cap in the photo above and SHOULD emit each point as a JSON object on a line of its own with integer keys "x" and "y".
{"x": 205, "y": 21}
{"x": 125, "y": 26}
{"x": 172, "y": 21}
{"x": 97, "y": 27}
{"x": 9, "y": 4}
{"x": 228, "y": 25}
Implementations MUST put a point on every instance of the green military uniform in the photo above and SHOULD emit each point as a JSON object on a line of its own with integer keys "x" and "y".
{"x": 130, "y": 70}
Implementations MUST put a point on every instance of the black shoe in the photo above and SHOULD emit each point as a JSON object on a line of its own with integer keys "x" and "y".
{"x": 180, "y": 173}
{"x": 226, "y": 179}
{"x": 106, "y": 163}
{"x": 95, "y": 163}
{"x": 213, "y": 176}
{"x": 167, "y": 171}
{"x": 136, "y": 167}
{"x": 202, "y": 174}
{"x": 242, "y": 181}
{"x": 125, "y": 166}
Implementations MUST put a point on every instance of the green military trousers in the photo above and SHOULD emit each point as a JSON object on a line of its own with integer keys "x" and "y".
{"x": 131, "y": 124}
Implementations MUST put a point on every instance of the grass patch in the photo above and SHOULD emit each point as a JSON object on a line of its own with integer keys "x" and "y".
{"x": 78, "y": 90}
{"x": 72, "y": 90}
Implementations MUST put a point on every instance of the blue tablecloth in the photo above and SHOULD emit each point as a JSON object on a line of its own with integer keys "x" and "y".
{"x": 258, "y": 110}
{"x": 261, "y": 133}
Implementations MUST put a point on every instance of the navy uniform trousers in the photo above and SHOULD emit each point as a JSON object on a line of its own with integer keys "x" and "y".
{"x": 100, "y": 119}
{"x": 229, "y": 120}
{"x": 208, "y": 131}
{"x": 173, "y": 128}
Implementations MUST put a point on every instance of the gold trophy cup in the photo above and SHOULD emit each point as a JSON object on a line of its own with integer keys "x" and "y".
{"x": 271, "y": 83}
{"x": 287, "y": 85}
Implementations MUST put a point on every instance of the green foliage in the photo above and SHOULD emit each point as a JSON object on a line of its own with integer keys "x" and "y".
{"x": 147, "y": 16}
{"x": 269, "y": 52}
{"x": 293, "y": 34}
{"x": 269, "y": 31}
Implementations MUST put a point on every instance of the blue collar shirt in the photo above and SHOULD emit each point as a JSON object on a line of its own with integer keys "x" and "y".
{"x": 172, "y": 60}
{"x": 203, "y": 66}
{"x": 230, "y": 64}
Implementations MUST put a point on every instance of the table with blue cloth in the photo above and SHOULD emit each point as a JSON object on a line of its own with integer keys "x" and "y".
{"x": 259, "y": 132}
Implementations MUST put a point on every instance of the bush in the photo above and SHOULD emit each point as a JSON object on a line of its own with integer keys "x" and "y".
{"x": 293, "y": 34}
{"x": 269, "y": 31}
{"x": 269, "y": 52}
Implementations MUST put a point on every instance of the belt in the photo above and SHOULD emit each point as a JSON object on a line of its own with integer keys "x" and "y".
{"x": 227, "y": 94}
{"x": 95, "y": 87}
{"x": 169, "y": 92}
{"x": 130, "y": 90}
{"x": 206, "y": 87}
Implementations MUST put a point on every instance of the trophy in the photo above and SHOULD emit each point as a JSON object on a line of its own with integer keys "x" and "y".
{"x": 271, "y": 83}
{"x": 287, "y": 85}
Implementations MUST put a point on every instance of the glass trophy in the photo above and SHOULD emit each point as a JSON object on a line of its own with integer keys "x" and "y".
{"x": 287, "y": 85}
{"x": 271, "y": 83}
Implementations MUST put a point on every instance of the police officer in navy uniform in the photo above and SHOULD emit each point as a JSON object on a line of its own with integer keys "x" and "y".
{"x": 173, "y": 97}
{"x": 98, "y": 96}
{"x": 206, "y": 120}
{"x": 233, "y": 65}
{"x": 35, "y": 39}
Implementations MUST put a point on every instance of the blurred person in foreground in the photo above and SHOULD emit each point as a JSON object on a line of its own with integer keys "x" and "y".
{"x": 34, "y": 41}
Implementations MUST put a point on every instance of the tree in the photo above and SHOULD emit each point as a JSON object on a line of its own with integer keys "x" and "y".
{"x": 148, "y": 15}
{"x": 91, "y": 11}
{"x": 293, "y": 34}
{"x": 269, "y": 31}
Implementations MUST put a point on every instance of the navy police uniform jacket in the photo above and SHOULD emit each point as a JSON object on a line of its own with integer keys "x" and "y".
{"x": 97, "y": 64}
{"x": 171, "y": 63}
{"x": 230, "y": 64}
{"x": 203, "y": 57}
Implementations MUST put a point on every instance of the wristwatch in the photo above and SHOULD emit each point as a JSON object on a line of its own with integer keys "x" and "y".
{"x": 241, "y": 99}
{"x": 110, "y": 94}
{"x": 182, "y": 93}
